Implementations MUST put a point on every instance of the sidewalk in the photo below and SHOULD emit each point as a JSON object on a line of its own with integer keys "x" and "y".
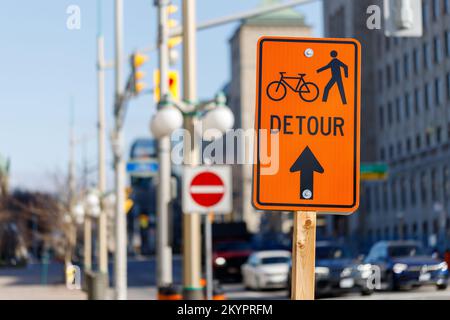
{"x": 26, "y": 284}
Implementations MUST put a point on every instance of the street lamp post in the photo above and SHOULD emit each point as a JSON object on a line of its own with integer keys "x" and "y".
{"x": 120, "y": 259}
{"x": 191, "y": 222}
{"x": 216, "y": 119}
{"x": 163, "y": 248}
{"x": 103, "y": 219}
{"x": 87, "y": 248}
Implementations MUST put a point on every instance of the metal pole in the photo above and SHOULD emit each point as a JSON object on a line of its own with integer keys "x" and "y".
{"x": 120, "y": 261}
{"x": 71, "y": 228}
{"x": 101, "y": 183}
{"x": 87, "y": 243}
{"x": 191, "y": 222}
{"x": 240, "y": 16}
{"x": 208, "y": 256}
{"x": 163, "y": 248}
{"x": 103, "y": 237}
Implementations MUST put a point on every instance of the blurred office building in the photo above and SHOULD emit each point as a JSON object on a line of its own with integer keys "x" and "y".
{"x": 405, "y": 124}
{"x": 241, "y": 98}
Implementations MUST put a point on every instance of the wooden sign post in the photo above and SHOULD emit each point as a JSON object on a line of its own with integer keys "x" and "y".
{"x": 303, "y": 255}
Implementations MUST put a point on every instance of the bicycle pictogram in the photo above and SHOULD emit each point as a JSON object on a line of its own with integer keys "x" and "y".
{"x": 277, "y": 90}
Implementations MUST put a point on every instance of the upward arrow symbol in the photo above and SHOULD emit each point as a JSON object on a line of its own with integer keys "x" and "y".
{"x": 307, "y": 164}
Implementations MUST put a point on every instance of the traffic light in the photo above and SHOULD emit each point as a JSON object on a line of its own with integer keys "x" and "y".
{"x": 128, "y": 200}
{"x": 173, "y": 85}
{"x": 176, "y": 40}
{"x": 403, "y": 18}
{"x": 172, "y": 9}
{"x": 137, "y": 61}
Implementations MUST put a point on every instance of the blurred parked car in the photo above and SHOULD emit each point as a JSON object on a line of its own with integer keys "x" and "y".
{"x": 337, "y": 272}
{"x": 266, "y": 270}
{"x": 228, "y": 257}
{"x": 405, "y": 263}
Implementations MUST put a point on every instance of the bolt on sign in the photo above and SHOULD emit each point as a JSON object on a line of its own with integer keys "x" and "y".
{"x": 307, "y": 124}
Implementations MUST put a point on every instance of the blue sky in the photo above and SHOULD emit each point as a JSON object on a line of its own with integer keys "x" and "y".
{"x": 44, "y": 64}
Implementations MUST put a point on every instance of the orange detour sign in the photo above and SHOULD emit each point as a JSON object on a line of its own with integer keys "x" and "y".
{"x": 307, "y": 125}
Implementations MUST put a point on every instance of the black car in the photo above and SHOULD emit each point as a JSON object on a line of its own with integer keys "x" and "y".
{"x": 405, "y": 264}
{"x": 228, "y": 257}
{"x": 337, "y": 272}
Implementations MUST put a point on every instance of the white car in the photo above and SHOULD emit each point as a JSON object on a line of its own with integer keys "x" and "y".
{"x": 266, "y": 270}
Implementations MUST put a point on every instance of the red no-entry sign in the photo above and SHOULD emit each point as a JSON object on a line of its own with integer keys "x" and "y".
{"x": 207, "y": 189}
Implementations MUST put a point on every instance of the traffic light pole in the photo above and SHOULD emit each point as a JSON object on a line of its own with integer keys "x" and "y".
{"x": 191, "y": 222}
{"x": 120, "y": 259}
{"x": 163, "y": 249}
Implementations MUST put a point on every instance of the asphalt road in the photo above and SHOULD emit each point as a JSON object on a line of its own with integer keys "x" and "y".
{"x": 27, "y": 283}
{"x": 238, "y": 292}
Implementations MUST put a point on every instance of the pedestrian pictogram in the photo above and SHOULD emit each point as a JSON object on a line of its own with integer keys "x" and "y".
{"x": 335, "y": 67}
{"x": 307, "y": 125}
{"x": 207, "y": 189}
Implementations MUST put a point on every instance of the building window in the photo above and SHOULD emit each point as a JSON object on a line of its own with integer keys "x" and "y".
{"x": 425, "y": 229}
{"x": 434, "y": 186}
{"x": 377, "y": 197}
{"x": 398, "y": 110}
{"x": 448, "y": 85}
{"x": 446, "y": 182}
{"x": 427, "y": 96}
{"x": 437, "y": 91}
{"x": 436, "y": 9}
{"x": 388, "y": 76}
{"x": 414, "y": 229}
{"x": 397, "y": 71}
{"x": 413, "y": 190}
{"x": 446, "y": 6}
{"x": 387, "y": 43}
{"x": 382, "y": 154}
{"x": 447, "y": 43}
{"x": 416, "y": 101}
{"x": 385, "y": 197}
{"x": 368, "y": 193}
{"x": 407, "y": 105}
{"x": 391, "y": 152}
{"x": 390, "y": 115}
{"x": 408, "y": 145}
{"x": 380, "y": 80}
{"x": 394, "y": 194}
{"x": 416, "y": 60}
{"x": 426, "y": 55}
{"x": 402, "y": 193}
{"x": 438, "y": 134}
{"x": 399, "y": 149}
{"x": 418, "y": 142}
{"x": 425, "y": 14}
{"x": 423, "y": 187}
{"x": 381, "y": 116}
{"x": 406, "y": 66}
{"x": 428, "y": 139}
{"x": 437, "y": 49}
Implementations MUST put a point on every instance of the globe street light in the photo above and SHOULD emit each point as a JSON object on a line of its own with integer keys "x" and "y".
{"x": 166, "y": 120}
{"x": 92, "y": 203}
{"x": 216, "y": 119}
{"x": 78, "y": 212}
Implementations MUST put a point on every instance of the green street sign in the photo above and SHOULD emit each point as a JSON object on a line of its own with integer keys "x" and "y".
{"x": 374, "y": 168}
{"x": 374, "y": 171}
